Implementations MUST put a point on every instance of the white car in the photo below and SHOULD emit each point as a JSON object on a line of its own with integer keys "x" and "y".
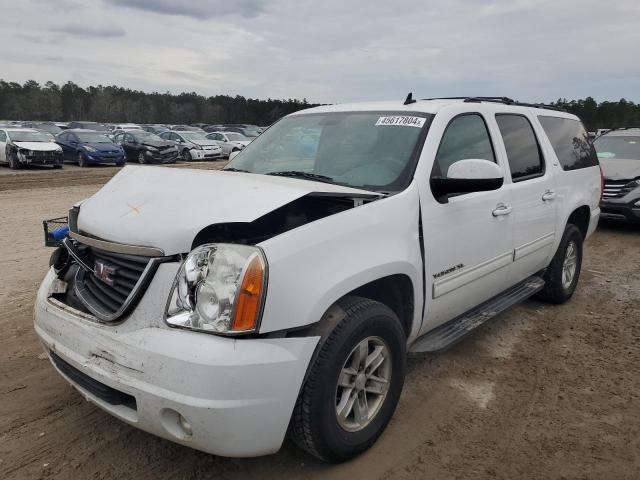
{"x": 194, "y": 145}
{"x": 23, "y": 146}
{"x": 223, "y": 309}
{"x": 229, "y": 141}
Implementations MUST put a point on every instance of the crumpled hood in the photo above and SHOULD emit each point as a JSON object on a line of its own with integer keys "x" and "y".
{"x": 620, "y": 169}
{"x": 167, "y": 207}
{"x": 38, "y": 146}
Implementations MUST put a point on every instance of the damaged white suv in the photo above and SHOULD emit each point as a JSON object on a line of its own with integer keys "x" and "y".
{"x": 225, "y": 310}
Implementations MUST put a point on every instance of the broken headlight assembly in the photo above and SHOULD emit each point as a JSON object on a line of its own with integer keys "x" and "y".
{"x": 220, "y": 288}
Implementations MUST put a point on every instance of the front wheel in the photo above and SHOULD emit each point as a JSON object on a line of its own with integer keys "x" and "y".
{"x": 12, "y": 158}
{"x": 561, "y": 277}
{"x": 186, "y": 156}
{"x": 354, "y": 384}
{"x": 141, "y": 158}
{"x": 82, "y": 160}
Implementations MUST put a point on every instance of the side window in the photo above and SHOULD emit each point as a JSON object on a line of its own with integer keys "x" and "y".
{"x": 73, "y": 138}
{"x": 466, "y": 137}
{"x": 62, "y": 137}
{"x": 128, "y": 138}
{"x": 3, "y": 136}
{"x": 523, "y": 150}
{"x": 570, "y": 142}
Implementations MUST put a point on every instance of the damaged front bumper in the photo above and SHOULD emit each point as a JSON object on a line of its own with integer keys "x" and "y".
{"x": 225, "y": 396}
{"x": 35, "y": 157}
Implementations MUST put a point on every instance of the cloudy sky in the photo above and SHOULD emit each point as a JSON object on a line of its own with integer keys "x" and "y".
{"x": 330, "y": 50}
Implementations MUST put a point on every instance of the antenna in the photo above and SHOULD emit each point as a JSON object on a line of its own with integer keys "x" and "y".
{"x": 409, "y": 99}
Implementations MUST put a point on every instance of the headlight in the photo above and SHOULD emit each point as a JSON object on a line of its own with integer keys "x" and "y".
{"x": 633, "y": 184}
{"x": 152, "y": 149}
{"x": 197, "y": 147}
{"x": 89, "y": 148}
{"x": 219, "y": 288}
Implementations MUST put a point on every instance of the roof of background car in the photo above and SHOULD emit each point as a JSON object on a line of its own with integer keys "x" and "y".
{"x": 20, "y": 129}
{"x": 623, "y": 132}
{"x": 428, "y": 106}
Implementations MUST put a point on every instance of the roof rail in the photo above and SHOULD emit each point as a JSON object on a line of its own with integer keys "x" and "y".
{"x": 503, "y": 100}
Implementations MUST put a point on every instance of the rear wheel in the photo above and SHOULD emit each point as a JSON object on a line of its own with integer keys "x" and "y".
{"x": 354, "y": 384}
{"x": 561, "y": 277}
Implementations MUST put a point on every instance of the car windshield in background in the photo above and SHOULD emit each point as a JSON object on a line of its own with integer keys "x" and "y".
{"x": 141, "y": 135}
{"x": 52, "y": 129}
{"x": 92, "y": 138}
{"x": 30, "y": 137}
{"x": 367, "y": 150}
{"x": 610, "y": 147}
{"x": 193, "y": 136}
{"x": 236, "y": 137}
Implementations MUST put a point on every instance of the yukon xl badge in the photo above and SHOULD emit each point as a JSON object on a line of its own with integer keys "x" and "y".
{"x": 104, "y": 272}
{"x": 448, "y": 270}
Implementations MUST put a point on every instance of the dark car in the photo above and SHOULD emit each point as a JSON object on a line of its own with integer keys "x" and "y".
{"x": 619, "y": 154}
{"x": 50, "y": 127}
{"x": 98, "y": 127}
{"x": 147, "y": 147}
{"x": 157, "y": 129}
{"x": 87, "y": 147}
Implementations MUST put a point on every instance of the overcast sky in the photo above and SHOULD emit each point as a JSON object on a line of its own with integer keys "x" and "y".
{"x": 330, "y": 50}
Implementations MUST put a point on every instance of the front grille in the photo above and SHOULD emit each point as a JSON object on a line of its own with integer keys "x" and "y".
{"x": 616, "y": 188}
{"x": 40, "y": 156}
{"x": 113, "y": 282}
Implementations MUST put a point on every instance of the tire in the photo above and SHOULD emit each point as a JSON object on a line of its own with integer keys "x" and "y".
{"x": 186, "y": 156}
{"x": 557, "y": 288}
{"x": 141, "y": 159}
{"x": 58, "y": 166}
{"x": 315, "y": 426}
{"x": 82, "y": 160}
{"x": 12, "y": 158}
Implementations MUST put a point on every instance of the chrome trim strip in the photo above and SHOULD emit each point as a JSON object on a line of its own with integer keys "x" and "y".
{"x": 533, "y": 246}
{"x": 468, "y": 275}
{"x": 118, "y": 247}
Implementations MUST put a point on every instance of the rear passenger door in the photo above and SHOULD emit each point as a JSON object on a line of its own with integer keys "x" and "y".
{"x": 533, "y": 193}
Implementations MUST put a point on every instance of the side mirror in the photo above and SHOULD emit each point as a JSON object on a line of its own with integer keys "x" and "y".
{"x": 467, "y": 176}
{"x": 232, "y": 155}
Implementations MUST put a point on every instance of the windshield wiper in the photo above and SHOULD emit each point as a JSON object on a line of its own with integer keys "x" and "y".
{"x": 304, "y": 175}
{"x": 235, "y": 170}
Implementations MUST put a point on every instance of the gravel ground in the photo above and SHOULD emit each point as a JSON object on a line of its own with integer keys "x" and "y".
{"x": 540, "y": 392}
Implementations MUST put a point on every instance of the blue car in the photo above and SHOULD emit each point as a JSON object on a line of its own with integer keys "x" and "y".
{"x": 87, "y": 147}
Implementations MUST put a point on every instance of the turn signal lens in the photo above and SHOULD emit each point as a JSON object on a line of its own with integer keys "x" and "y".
{"x": 249, "y": 300}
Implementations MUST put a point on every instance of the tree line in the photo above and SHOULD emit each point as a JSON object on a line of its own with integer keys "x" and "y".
{"x": 32, "y": 101}
{"x": 111, "y": 104}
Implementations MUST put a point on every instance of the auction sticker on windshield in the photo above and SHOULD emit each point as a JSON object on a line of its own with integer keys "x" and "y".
{"x": 401, "y": 121}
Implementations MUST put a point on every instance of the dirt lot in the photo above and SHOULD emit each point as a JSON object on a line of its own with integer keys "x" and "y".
{"x": 540, "y": 392}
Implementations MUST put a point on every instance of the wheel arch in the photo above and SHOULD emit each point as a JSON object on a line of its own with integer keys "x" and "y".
{"x": 580, "y": 217}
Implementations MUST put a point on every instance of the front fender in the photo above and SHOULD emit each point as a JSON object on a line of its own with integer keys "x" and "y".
{"x": 313, "y": 266}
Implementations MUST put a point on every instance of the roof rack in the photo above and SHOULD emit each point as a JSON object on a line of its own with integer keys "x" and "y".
{"x": 503, "y": 100}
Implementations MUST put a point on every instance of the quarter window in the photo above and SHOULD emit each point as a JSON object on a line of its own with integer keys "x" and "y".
{"x": 521, "y": 144}
{"x": 570, "y": 142}
{"x": 466, "y": 137}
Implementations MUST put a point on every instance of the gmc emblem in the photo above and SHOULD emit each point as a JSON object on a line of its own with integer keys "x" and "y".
{"x": 104, "y": 272}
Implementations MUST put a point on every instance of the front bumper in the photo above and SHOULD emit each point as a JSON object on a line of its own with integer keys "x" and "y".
{"x": 161, "y": 157}
{"x": 621, "y": 209}
{"x": 100, "y": 159}
{"x": 237, "y": 395}
{"x": 205, "y": 154}
{"x": 40, "y": 157}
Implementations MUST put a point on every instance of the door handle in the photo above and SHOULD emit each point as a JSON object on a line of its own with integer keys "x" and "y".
{"x": 502, "y": 209}
{"x": 548, "y": 195}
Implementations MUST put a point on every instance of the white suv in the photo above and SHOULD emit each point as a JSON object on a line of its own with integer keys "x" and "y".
{"x": 223, "y": 310}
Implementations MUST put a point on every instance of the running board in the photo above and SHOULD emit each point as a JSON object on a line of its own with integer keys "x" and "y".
{"x": 454, "y": 330}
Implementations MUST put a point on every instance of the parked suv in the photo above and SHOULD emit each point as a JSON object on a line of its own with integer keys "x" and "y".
{"x": 619, "y": 154}
{"x": 223, "y": 309}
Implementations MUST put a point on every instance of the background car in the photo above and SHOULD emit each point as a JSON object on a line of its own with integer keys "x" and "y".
{"x": 98, "y": 127}
{"x": 194, "y": 145}
{"x": 23, "y": 146}
{"x": 50, "y": 127}
{"x": 157, "y": 129}
{"x": 146, "y": 147}
{"x": 87, "y": 147}
{"x": 229, "y": 141}
{"x": 185, "y": 128}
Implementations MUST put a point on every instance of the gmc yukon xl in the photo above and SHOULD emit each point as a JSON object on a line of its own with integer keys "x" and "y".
{"x": 280, "y": 297}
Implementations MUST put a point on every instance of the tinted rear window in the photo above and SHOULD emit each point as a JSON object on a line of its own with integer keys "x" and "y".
{"x": 570, "y": 142}
{"x": 521, "y": 144}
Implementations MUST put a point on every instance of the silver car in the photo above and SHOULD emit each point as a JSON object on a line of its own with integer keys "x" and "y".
{"x": 229, "y": 141}
{"x": 194, "y": 145}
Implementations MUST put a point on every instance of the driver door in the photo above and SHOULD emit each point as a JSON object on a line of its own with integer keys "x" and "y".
{"x": 467, "y": 237}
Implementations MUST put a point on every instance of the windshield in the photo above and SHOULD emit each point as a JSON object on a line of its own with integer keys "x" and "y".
{"x": 236, "y": 137}
{"x": 95, "y": 126}
{"x": 193, "y": 136}
{"x": 30, "y": 136}
{"x": 143, "y": 136}
{"x": 616, "y": 147}
{"x": 371, "y": 150}
{"x": 92, "y": 137}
